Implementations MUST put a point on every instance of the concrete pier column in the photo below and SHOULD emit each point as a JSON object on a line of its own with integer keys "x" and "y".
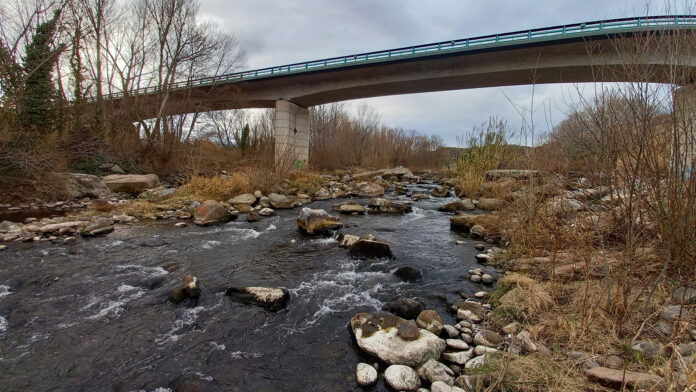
{"x": 291, "y": 134}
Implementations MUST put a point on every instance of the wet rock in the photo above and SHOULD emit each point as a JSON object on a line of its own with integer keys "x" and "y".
{"x": 267, "y": 212}
{"x": 365, "y": 374}
{"x": 101, "y": 226}
{"x": 180, "y": 224}
{"x": 368, "y": 189}
{"x": 481, "y": 294}
{"x": 381, "y": 205}
{"x": 407, "y": 330}
{"x": 377, "y": 335}
{"x": 489, "y": 204}
{"x": 258, "y": 194}
{"x": 131, "y": 183}
{"x": 469, "y": 310}
{"x": 487, "y": 279}
{"x": 322, "y": 194}
{"x": 487, "y": 338}
{"x": 459, "y": 205}
{"x": 484, "y": 258}
{"x": 480, "y": 247}
{"x": 442, "y": 191}
{"x": 475, "y": 278}
{"x": 253, "y": 216}
{"x": 408, "y": 274}
{"x": 63, "y": 227}
{"x": 688, "y": 294}
{"x": 246, "y": 198}
{"x": 431, "y": 321}
{"x": 370, "y": 248}
{"x": 211, "y": 212}
{"x": 347, "y": 240}
{"x": 419, "y": 196}
{"x": 317, "y": 221}
{"x": 459, "y": 357}
{"x": 402, "y": 378}
{"x": 477, "y": 231}
{"x": 404, "y": 307}
{"x": 189, "y": 290}
{"x": 614, "y": 378}
{"x": 270, "y": 297}
{"x": 433, "y": 371}
{"x": 352, "y": 209}
{"x": 280, "y": 202}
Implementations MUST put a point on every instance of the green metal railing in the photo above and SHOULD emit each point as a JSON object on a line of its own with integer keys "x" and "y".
{"x": 604, "y": 27}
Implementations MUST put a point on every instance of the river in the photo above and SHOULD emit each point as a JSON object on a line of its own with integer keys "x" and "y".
{"x": 94, "y": 315}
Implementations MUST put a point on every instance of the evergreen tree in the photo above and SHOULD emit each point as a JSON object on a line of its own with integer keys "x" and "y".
{"x": 244, "y": 140}
{"x": 37, "y": 104}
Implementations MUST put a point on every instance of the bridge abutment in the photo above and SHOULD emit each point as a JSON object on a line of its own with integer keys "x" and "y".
{"x": 291, "y": 133}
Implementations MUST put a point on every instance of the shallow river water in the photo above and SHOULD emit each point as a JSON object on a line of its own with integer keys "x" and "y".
{"x": 94, "y": 315}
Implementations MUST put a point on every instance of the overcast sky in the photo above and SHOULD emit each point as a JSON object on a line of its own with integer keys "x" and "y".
{"x": 273, "y": 32}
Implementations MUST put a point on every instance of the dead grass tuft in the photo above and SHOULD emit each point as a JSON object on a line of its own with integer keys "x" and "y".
{"x": 307, "y": 182}
{"x": 537, "y": 373}
{"x": 216, "y": 188}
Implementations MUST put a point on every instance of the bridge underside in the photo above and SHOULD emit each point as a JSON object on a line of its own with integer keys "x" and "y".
{"x": 562, "y": 61}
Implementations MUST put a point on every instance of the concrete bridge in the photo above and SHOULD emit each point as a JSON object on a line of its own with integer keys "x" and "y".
{"x": 559, "y": 54}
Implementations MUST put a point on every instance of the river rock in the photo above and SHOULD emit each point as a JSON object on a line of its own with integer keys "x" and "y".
{"x": 431, "y": 321}
{"x": 407, "y": 330}
{"x": 280, "y": 202}
{"x": 368, "y": 189}
{"x": 402, "y": 378}
{"x": 477, "y": 361}
{"x": 459, "y": 205}
{"x": 211, "y": 212}
{"x": 434, "y": 371}
{"x": 270, "y": 297}
{"x": 101, "y": 226}
{"x": 253, "y": 216}
{"x": 131, "y": 183}
{"x": 487, "y": 338}
{"x": 376, "y": 335}
{"x": 189, "y": 290}
{"x": 365, "y": 374}
{"x": 440, "y": 386}
{"x": 317, "y": 221}
{"x": 347, "y": 240}
{"x": 614, "y": 378}
{"x": 475, "y": 278}
{"x": 442, "y": 191}
{"x": 403, "y": 307}
{"x": 352, "y": 209}
{"x": 370, "y": 248}
{"x": 451, "y": 331}
{"x": 487, "y": 279}
{"x": 322, "y": 194}
{"x": 79, "y": 185}
{"x": 688, "y": 294}
{"x": 457, "y": 344}
{"x": 477, "y": 231}
{"x": 459, "y": 357}
{"x": 381, "y": 205}
{"x": 408, "y": 274}
{"x": 420, "y": 196}
{"x": 469, "y": 310}
{"x": 246, "y": 198}
{"x": 267, "y": 212}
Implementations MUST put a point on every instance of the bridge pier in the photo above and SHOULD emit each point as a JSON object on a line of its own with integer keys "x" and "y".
{"x": 291, "y": 134}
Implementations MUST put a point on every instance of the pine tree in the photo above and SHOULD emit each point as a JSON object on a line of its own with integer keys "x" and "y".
{"x": 244, "y": 140}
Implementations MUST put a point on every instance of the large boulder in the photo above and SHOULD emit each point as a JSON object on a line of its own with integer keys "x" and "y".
{"x": 270, "y": 297}
{"x": 352, "y": 209}
{"x": 211, "y": 212}
{"x": 78, "y": 185}
{"x": 408, "y": 273}
{"x": 370, "y": 248}
{"x": 280, "y": 202}
{"x": 403, "y": 307}
{"x": 347, "y": 240}
{"x": 459, "y": 205}
{"x": 378, "y": 204}
{"x": 317, "y": 221}
{"x": 368, "y": 189}
{"x": 131, "y": 183}
{"x": 377, "y": 335}
{"x": 246, "y": 198}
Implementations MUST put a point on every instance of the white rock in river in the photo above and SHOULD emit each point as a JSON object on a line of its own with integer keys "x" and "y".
{"x": 457, "y": 344}
{"x": 402, "y": 378}
{"x": 433, "y": 371}
{"x": 451, "y": 331}
{"x": 377, "y": 335}
{"x": 365, "y": 374}
{"x": 459, "y": 357}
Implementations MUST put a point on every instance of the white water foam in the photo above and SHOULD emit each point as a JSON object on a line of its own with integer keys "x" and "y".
{"x": 4, "y": 290}
{"x": 126, "y": 293}
{"x": 211, "y": 244}
{"x": 188, "y": 319}
{"x": 140, "y": 269}
{"x": 417, "y": 213}
{"x": 244, "y": 355}
{"x": 3, "y": 324}
{"x": 218, "y": 346}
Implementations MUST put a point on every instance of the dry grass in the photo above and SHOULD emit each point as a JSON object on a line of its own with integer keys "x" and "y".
{"x": 216, "y": 188}
{"x": 522, "y": 296}
{"x": 306, "y": 181}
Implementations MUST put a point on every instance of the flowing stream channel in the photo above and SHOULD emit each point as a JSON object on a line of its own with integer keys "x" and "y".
{"x": 94, "y": 315}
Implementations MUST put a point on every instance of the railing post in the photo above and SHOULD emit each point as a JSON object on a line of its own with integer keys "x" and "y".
{"x": 497, "y": 38}
{"x": 601, "y": 25}
{"x": 389, "y": 53}
{"x": 466, "y": 43}
{"x": 529, "y": 34}
{"x": 639, "y": 22}
{"x": 564, "y": 30}
{"x": 413, "y": 50}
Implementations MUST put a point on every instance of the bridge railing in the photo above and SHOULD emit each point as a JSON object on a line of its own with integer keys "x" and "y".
{"x": 612, "y": 26}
